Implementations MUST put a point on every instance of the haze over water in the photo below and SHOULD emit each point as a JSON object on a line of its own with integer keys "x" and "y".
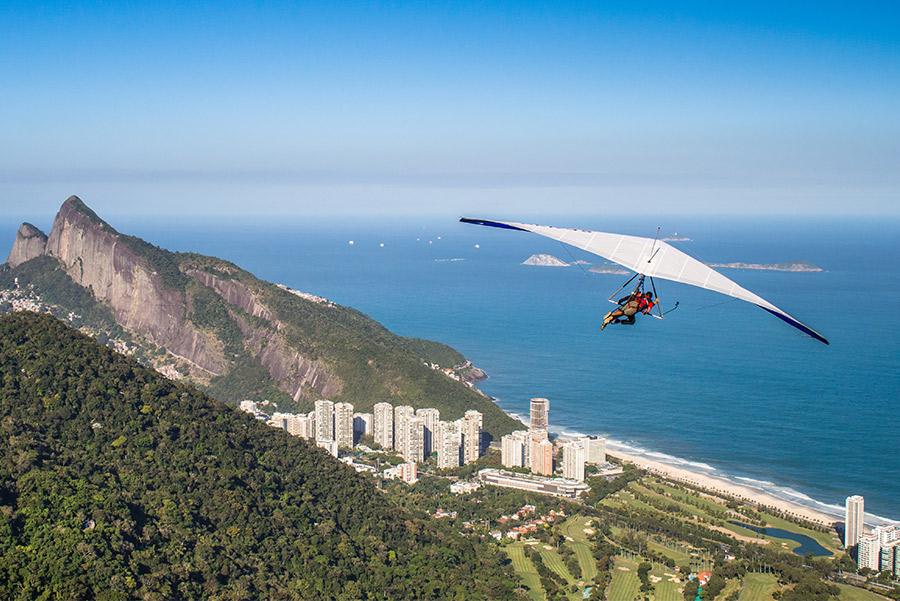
{"x": 719, "y": 383}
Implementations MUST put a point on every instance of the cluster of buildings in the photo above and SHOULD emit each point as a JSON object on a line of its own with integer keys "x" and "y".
{"x": 415, "y": 434}
{"x": 532, "y": 448}
{"x": 878, "y": 550}
{"x": 526, "y": 522}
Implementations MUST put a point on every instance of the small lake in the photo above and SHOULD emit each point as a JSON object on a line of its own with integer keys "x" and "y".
{"x": 808, "y": 545}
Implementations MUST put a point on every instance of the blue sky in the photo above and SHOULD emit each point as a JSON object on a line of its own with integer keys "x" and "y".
{"x": 449, "y": 108}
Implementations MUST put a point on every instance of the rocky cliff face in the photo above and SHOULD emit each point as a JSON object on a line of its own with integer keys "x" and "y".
{"x": 30, "y": 243}
{"x": 98, "y": 258}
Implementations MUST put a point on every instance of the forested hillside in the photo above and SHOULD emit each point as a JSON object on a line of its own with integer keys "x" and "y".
{"x": 116, "y": 483}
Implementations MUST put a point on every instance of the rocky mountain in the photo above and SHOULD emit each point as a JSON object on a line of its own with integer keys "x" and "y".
{"x": 215, "y": 324}
{"x": 30, "y": 243}
{"x": 118, "y": 484}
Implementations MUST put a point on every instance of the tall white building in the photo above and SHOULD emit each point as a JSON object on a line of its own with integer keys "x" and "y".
{"x": 430, "y": 417}
{"x": 402, "y": 413}
{"x": 448, "y": 439}
{"x": 540, "y": 414}
{"x": 512, "y": 449}
{"x": 574, "y": 457}
{"x": 868, "y": 552}
{"x": 854, "y": 520}
{"x": 410, "y": 432}
{"x": 383, "y": 425}
{"x": 324, "y": 420}
{"x": 471, "y": 435}
{"x": 343, "y": 425}
{"x": 596, "y": 449}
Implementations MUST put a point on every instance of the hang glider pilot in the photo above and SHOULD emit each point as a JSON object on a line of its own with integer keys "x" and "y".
{"x": 629, "y": 307}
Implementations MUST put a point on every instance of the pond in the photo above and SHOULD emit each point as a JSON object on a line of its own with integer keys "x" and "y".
{"x": 808, "y": 545}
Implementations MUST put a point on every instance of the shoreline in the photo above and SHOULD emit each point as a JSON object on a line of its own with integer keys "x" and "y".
{"x": 709, "y": 478}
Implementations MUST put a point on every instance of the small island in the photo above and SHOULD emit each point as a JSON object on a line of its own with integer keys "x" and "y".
{"x": 544, "y": 261}
{"x": 792, "y": 267}
{"x": 608, "y": 269}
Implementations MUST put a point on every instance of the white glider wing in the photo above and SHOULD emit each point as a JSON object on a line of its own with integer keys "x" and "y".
{"x": 652, "y": 258}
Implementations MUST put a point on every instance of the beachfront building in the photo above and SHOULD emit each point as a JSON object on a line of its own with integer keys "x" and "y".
{"x": 596, "y": 449}
{"x": 383, "y": 426}
{"x": 430, "y": 417}
{"x": 868, "y": 554}
{"x": 448, "y": 444}
{"x": 343, "y": 425}
{"x": 512, "y": 449}
{"x": 324, "y": 420}
{"x": 888, "y": 546}
{"x": 470, "y": 427}
{"x": 541, "y": 454}
{"x": 574, "y": 459}
{"x": 854, "y": 520}
{"x": 540, "y": 414}
{"x": 558, "y": 487}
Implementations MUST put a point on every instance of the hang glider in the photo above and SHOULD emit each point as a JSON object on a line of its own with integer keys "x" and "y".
{"x": 653, "y": 259}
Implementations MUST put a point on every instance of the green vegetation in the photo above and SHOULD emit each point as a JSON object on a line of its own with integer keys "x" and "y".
{"x": 852, "y": 593}
{"x": 118, "y": 484}
{"x": 526, "y": 571}
{"x": 758, "y": 587}
{"x": 434, "y": 352}
{"x": 625, "y": 583}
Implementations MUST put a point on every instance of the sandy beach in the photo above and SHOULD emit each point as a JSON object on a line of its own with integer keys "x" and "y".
{"x": 722, "y": 486}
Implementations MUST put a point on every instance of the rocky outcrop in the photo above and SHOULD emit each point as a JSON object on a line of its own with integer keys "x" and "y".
{"x": 296, "y": 375}
{"x": 30, "y": 243}
{"x": 233, "y": 292}
{"x": 98, "y": 258}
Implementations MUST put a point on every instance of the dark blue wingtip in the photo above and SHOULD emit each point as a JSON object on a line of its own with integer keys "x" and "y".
{"x": 504, "y": 226}
{"x": 806, "y": 330}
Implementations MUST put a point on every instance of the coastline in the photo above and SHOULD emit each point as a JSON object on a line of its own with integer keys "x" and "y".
{"x": 707, "y": 477}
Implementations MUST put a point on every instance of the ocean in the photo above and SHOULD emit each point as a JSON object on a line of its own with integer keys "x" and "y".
{"x": 718, "y": 386}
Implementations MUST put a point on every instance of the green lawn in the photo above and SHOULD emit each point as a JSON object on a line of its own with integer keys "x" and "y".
{"x": 758, "y": 587}
{"x": 680, "y": 557}
{"x": 574, "y": 529}
{"x": 554, "y": 562}
{"x": 525, "y": 571}
{"x": 665, "y": 590}
{"x": 625, "y": 586}
{"x": 851, "y": 593}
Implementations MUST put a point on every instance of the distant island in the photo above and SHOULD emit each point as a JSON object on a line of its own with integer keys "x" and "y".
{"x": 793, "y": 267}
{"x": 544, "y": 261}
{"x": 608, "y": 269}
{"x": 676, "y": 238}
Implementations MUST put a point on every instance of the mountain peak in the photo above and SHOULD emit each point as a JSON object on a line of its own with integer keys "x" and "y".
{"x": 73, "y": 204}
{"x": 30, "y": 242}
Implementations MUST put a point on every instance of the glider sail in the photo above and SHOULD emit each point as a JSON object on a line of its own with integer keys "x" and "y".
{"x": 654, "y": 259}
